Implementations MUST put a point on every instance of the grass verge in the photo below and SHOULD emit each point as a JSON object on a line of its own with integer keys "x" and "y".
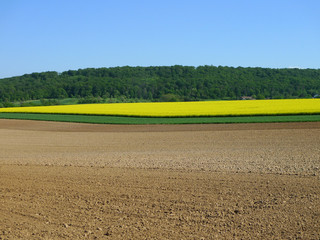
{"x": 158, "y": 120}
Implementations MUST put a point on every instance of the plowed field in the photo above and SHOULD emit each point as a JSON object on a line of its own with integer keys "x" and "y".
{"x": 237, "y": 181}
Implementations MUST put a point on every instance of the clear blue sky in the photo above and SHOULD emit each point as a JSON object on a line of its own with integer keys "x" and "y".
{"x": 58, "y": 35}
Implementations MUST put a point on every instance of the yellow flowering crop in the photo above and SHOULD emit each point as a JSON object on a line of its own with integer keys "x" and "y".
{"x": 184, "y": 109}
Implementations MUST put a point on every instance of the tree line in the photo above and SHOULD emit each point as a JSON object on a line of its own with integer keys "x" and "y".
{"x": 163, "y": 83}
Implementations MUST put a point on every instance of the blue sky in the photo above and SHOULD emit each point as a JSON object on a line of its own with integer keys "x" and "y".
{"x": 59, "y": 35}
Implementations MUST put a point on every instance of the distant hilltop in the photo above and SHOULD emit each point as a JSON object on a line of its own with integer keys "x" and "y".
{"x": 163, "y": 83}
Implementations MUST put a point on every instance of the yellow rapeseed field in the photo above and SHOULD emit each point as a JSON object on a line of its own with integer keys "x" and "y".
{"x": 184, "y": 109}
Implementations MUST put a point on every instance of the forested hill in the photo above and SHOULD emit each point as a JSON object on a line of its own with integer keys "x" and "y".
{"x": 171, "y": 83}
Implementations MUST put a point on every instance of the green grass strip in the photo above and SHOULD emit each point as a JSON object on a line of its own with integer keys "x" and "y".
{"x": 158, "y": 120}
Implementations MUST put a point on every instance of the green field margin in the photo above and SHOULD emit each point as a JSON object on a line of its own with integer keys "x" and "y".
{"x": 157, "y": 120}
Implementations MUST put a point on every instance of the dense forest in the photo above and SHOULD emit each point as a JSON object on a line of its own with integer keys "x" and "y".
{"x": 172, "y": 83}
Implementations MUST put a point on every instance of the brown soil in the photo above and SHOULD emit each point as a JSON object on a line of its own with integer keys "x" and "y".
{"x": 237, "y": 181}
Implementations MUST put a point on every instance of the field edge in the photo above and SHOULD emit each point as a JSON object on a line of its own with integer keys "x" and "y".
{"x": 96, "y": 119}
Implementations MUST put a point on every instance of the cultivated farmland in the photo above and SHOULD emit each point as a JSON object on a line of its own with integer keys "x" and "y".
{"x": 183, "y": 109}
{"x": 237, "y": 181}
